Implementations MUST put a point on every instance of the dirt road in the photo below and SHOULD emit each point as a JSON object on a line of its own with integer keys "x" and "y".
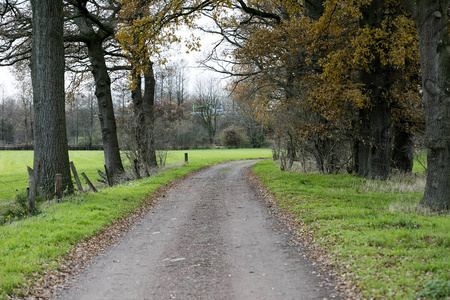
{"x": 209, "y": 237}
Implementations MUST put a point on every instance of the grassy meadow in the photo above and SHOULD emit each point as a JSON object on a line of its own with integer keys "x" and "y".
{"x": 31, "y": 246}
{"x": 372, "y": 231}
{"x": 14, "y": 176}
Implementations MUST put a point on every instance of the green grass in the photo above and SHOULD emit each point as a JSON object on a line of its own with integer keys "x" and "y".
{"x": 420, "y": 162}
{"x": 373, "y": 230}
{"x": 13, "y": 172}
{"x": 31, "y": 245}
{"x": 14, "y": 176}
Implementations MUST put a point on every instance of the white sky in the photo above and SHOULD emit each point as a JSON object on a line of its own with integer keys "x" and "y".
{"x": 195, "y": 71}
{"x": 6, "y": 82}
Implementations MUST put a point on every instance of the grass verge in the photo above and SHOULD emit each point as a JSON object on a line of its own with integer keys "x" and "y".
{"x": 28, "y": 246}
{"x": 373, "y": 231}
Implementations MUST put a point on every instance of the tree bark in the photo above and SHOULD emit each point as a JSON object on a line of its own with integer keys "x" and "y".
{"x": 148, "y": 102}
{"x": 50, "y": 138}
{"x": 403, "y": 149}
{"x": 143, "y": 108}
{"x": 106, "y": 116}
{"x": 376, "y": 141}
{"x": 94, "y": 38}
{"x": 431, "y": 20}
{"x": 139, "y": 116}
{"x": 376, "y": 123}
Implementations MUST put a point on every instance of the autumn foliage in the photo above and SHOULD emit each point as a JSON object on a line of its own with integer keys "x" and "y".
{"x": 334, "y": 81}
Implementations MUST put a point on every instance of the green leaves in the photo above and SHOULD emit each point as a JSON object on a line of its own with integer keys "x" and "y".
{"x": 434, "y": 289}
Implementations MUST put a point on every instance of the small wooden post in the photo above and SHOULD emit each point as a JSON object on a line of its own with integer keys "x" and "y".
{"x": 186, "y": 159}
{"x": 58, "y": 186}
{"x": 75, "y": 175}
{"x": 89, "y": 182}
{"x": 107, "y": 177}
{"x": 32, "y": 190}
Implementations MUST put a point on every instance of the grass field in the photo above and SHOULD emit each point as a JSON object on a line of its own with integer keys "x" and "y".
{"x": 374, "y": 233}
{"x": 14, "y": 176}
{"x": 31, "y": 246}
{"x": 13, "y": 164}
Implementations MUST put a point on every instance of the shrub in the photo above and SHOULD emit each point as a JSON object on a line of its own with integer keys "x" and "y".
{"x": 231, "y": 137}
{"x": 15, "y": 209}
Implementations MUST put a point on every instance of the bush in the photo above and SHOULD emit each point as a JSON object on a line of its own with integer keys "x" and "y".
{"x": 16, "y": 209}
{"x": 232, "y": 137}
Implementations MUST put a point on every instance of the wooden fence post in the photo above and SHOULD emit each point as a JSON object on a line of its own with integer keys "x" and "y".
{"x": 186, "y": 159}
{"x": 32, "y": 190}
{"x": 89, "y": 183}
{"x": 58, "y": 186}
{"x": 75, "y": 175}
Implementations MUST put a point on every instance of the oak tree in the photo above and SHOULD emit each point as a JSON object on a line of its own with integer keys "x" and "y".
{"x": 51, "y": 155}
{"x": 432, "y": 21}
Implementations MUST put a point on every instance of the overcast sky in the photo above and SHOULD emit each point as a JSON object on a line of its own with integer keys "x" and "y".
{"x": 6, "y": 82}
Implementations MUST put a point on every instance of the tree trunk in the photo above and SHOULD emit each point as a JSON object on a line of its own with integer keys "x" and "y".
{"x": 403, "y": 149}
{"x": 148, "y": 104}
{"x": 374, "y": 147}
{"x": 139, "y": 116}
{"x": 363, "y": 144}
{"x": 143, "y": 107}
{"x": 434, "y": 42}
{"x": 376, "y": 123}
{"x": 50, "y": 138}
{"x": 106, "y": 116}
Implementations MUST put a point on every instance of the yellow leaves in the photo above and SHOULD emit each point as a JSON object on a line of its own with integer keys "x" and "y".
{"x": 293, "y": 7}
{"x": 401, "y": 41}
{"x": 147, "y": 28}
{"x": 393, "y": 42}
{"x": 346, "y": 49}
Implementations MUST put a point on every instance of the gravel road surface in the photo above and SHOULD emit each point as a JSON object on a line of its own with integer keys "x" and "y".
{"x": 208, "y": 237}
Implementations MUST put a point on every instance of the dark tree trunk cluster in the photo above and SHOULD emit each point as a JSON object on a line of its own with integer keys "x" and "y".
{"x": 403, "y": 149}
{"x": 376, "y": 123}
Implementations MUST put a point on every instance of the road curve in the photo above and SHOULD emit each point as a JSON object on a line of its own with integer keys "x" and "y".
{"x": 209, "y": 237}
